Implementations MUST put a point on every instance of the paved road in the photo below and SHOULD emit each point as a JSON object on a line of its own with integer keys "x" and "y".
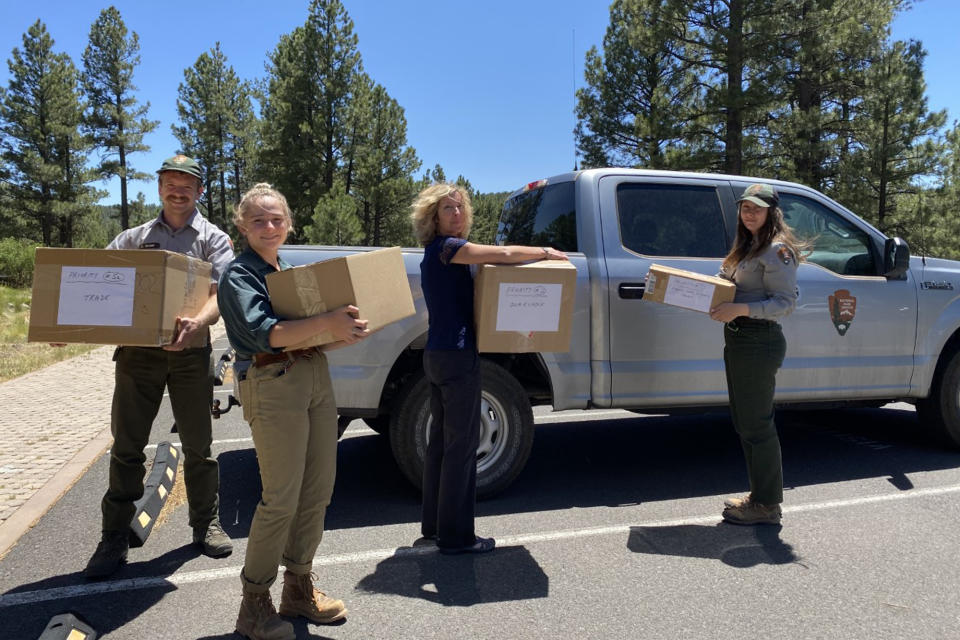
{"x": 611, "y": 532}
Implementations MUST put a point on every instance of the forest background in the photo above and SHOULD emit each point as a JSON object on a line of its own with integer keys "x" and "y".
{"x": 814, "y": 91}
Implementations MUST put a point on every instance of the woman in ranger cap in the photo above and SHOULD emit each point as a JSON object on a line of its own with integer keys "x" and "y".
{"x": 288, "y": 400}
{"x": 763, "y": 265}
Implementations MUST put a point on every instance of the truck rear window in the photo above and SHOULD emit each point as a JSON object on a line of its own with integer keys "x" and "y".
{"x": 671, "y": 220}
{"x": 544, "y": 217}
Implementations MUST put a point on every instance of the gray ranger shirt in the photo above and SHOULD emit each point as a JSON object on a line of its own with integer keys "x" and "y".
{"x": 199, "y": 238}
{"x": 766, "y": 283}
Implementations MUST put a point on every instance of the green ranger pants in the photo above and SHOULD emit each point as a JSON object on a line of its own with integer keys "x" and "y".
{"x": 753, "y": 352}
{"x": 142, "y": 374}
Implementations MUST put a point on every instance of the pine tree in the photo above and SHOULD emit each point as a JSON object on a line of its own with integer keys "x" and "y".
{"x": 312, "y": 74}
{"x": 43, "y": 148}
{"x": 118, "y": 124}
{"x": 335, "y": 220}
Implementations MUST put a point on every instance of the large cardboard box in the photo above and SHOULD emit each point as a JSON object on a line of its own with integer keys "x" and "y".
{"x": 375, "y": 282}
{"x": 524, "y": 307}
{"x": 687, "y": 289}
{"x": 114, "y": 296}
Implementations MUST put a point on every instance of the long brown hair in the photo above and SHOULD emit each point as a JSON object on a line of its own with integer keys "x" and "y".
{"x": 774, "y": 229}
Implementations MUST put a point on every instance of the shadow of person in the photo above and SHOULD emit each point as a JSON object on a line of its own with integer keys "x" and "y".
{"x": 736, "y": 546}
{"x": 134, "y": 589}
{"x": 506, "y": 574}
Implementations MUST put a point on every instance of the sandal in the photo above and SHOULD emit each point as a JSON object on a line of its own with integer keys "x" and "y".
{"x": 482, "y": 545}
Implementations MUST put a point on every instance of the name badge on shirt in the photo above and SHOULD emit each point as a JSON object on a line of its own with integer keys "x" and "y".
{"x": 149, "y": 245}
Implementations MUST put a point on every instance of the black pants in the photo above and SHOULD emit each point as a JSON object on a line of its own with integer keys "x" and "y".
{"x": 142, "y": 375}
{"x": 753, "y": 353}
{"x": 450, "y": 464}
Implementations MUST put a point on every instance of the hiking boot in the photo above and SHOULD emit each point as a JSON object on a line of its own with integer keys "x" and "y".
{"x": 213, "y": 539}
{"x": 737, "y": 502}
{"x": 110, "y": 554}
{"x": 300, "y": 598}
{"x": 258, "y": 620}
{"x": 750, "y": 512}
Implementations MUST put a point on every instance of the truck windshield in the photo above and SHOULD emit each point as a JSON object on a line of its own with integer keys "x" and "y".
{"x": 541, "y": 218}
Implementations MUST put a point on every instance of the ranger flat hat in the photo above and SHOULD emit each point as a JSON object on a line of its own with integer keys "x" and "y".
{"x": 763, "y": 195}
{"x": 183, "y": 164}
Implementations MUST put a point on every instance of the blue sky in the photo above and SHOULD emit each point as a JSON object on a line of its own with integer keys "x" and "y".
{"x": 487, "y": 86}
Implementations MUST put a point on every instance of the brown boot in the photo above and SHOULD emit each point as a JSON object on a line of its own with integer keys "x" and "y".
{"x": 258, "y": 620}
{"x": 300, "y": 598}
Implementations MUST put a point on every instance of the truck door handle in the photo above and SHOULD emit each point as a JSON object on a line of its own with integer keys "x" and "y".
{"x": 631, "y": 290}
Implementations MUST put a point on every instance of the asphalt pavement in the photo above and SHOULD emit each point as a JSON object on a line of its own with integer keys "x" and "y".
{"x": 612, "y": 531}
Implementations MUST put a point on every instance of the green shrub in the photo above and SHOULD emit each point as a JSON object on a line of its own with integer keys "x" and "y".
{"x": 16, "y": 262}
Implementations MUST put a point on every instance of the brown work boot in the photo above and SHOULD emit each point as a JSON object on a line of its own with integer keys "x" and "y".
{"x": 258, "y": 620}
{"x": 300, "y": 598}
{"x": 750, "y": 512}
{"x": 737, "y": 502}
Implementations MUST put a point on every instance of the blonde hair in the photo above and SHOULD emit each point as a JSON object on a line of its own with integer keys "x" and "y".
{"x": 255, "y": 194}
{"x": 424, "y": 210}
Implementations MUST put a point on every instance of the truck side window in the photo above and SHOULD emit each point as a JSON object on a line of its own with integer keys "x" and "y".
{"x": 835, "y": 243}
{"x": 671, "y": 220}
{"x": 544, "y": 217}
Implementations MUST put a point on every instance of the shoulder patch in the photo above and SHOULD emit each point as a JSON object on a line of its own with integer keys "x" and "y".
{"x": 785, "y": 255}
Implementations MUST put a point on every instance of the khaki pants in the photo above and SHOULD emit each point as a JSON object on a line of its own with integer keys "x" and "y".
{"x": 293, "y": 419}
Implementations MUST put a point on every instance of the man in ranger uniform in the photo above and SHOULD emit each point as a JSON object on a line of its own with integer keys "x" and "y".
{"x": 184, "y": 367}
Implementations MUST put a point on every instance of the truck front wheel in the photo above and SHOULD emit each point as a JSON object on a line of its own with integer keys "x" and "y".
{"x": 941, "y": 410}
{"x": 506, "y": 429}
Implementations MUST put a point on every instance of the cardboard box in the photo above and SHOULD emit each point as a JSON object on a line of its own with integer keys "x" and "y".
{"x": 114, "y": 296}
{"x": 375, "y": 282}
{"x": 687, "y": 289}
{"x": 524, "y": 308}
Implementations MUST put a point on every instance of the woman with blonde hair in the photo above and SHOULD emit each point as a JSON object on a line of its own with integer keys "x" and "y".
{"x": 288, "y": 400}
{"x": 442, "y": 217}
{"x": 763, "y": 265}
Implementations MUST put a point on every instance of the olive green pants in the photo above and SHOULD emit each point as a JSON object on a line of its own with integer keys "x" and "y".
{"x": 293, "y": 420}
{"x": 142, "y": 375}
{"x": 753, "y": 352}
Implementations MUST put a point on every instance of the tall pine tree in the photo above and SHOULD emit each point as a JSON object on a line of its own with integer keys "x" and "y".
{"x": 115, "y": 119}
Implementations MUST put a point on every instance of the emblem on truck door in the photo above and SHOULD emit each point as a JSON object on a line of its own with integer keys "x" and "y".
{"x": 843, "y": 307}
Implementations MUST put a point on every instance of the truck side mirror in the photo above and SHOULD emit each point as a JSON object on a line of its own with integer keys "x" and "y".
{"x": 896, "y": 258}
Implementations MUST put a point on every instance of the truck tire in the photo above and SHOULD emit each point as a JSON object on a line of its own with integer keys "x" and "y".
{"x": 941, "y": 410}
{"x": 506, "y": 429}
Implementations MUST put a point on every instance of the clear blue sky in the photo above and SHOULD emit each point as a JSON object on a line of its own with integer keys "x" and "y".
{"x": 487, "y": 86}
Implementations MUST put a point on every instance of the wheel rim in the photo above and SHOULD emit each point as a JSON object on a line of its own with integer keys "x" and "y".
{"x": 494, "y": 427}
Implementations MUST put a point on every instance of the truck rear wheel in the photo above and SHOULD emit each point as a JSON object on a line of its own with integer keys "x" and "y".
{"x": 506, "y": 429}
{"x": 941, "y": 410}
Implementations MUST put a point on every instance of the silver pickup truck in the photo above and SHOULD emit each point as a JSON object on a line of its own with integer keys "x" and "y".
{"x": 872, "y": 324}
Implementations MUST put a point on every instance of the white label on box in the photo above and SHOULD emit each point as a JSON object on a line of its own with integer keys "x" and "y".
{"x": 97, "y": 296}
{"x": 688, "y": 293}
{"x": 529, "y": 307}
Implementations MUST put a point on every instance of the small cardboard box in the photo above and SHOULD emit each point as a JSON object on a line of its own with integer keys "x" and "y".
{"x": 687, "y": 289}
{"x": 523, "y": 308}
{"x": 115, "y": 296}
{"x": 375, "y": 282}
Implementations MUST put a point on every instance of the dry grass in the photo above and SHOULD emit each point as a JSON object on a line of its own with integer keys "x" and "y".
{"x": 17, "y": 356}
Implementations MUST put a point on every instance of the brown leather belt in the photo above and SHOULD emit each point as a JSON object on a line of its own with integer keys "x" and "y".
{"x": 263, "y": 359}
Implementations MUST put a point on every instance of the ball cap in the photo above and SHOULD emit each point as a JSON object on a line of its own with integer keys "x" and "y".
{"x": 183, "y": 164}
{"x": 761, "y": 194}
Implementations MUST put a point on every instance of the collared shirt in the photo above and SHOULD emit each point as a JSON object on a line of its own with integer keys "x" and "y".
{"x": 245, "y": 304}
{"x": 767, "y": 283}
{"x": 448, "y": 291}
{"x": 198, "y": 238}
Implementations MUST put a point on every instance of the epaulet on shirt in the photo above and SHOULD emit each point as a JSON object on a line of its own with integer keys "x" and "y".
{"x": 780, "y": 253}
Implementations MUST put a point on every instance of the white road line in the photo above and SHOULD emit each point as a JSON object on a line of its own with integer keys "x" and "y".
{"x": 208, "y": 575}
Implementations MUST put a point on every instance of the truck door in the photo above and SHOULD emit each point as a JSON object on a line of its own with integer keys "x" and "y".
{"x": 853, "y": 332}
{"x": 662, "y": 355}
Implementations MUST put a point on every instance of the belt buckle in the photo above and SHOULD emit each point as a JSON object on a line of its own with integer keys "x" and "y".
{"x": 733, "y": 326}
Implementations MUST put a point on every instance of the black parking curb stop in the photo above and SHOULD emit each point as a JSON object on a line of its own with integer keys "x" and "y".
{"x": 157, "y": 488}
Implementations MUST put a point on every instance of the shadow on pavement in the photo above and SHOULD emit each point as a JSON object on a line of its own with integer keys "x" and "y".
{"x": 736, "y": 546}
{"x": 104, "y": 613}
{"x": 506, "y": 574}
